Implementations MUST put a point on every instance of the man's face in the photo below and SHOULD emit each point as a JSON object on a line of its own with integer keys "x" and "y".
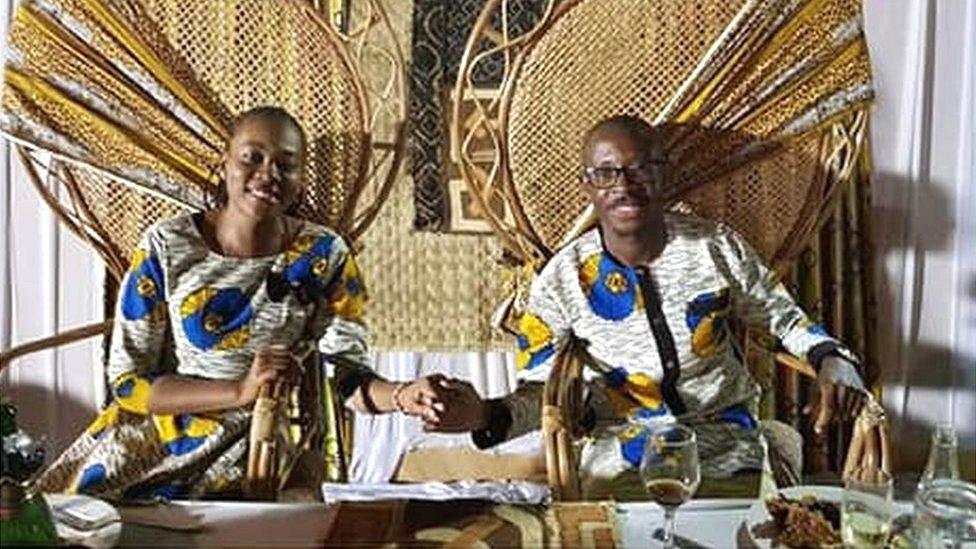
{"x": 619, "y": 177}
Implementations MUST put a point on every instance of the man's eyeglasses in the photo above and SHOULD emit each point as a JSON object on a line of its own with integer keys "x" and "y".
{"x": 604, "y": 177}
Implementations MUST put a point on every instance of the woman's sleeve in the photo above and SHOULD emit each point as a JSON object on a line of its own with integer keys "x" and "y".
{"x": 344, "y": 344}
{"x": 140, "y": 325}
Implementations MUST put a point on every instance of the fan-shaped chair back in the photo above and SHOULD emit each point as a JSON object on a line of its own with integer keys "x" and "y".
{"x": 133, "y": 101}
{"x": 762, "y": 100}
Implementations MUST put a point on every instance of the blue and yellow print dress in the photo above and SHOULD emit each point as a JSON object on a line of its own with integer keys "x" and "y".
{"x": 186, "y": 309}
{"x": 706, "y": 276}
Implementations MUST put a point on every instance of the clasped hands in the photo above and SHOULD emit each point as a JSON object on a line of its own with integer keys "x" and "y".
{"x": 443, "y": 404}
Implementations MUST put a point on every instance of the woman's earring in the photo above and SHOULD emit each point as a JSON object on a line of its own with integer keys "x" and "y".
{"x": 214, "y": 194}
{"x": 293, "y": 209}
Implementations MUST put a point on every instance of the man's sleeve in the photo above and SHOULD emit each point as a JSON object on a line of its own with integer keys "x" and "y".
{"x": 761, "y": 300}
{"x": 542, "y": 331}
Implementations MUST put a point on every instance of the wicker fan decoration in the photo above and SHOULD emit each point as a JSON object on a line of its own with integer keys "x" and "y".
{"x": 765, "y": 103}
{"x": 126, "y": 105}
{"x": 120, "y": 110}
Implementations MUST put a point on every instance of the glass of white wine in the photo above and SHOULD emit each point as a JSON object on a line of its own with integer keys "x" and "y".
{"x": 669, "y": 470}
{"x": 865, "y": 519}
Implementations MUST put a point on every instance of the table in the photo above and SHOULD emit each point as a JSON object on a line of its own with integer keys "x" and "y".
{"x": 710, "y": 523}
{"x": 227, "y": 524}
{"x": 402, "y": 523}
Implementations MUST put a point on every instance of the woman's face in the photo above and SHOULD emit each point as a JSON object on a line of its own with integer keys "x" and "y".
{"x": 264, "y": 167}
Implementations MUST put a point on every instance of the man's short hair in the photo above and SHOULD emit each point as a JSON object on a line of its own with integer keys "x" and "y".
{"x": 635, "y": 127}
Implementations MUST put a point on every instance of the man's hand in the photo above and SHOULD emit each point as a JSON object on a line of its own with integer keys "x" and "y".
{"x": 464, "y": 410}
{"x": 840, "y": 394}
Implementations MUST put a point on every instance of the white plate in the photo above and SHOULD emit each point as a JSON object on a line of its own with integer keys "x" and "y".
{"x": 71, "y": 512}
{"x": 758, "y": 515}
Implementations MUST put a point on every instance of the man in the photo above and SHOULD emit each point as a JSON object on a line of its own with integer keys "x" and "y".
{"x": 652, "y": 295}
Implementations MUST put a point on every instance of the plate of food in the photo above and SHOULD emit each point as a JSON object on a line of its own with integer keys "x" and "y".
{"x": 799, "y": 516}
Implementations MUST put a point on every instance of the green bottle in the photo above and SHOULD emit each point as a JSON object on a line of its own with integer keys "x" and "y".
{"x": 8, "y": 425}
{"x": 24, "y": 519}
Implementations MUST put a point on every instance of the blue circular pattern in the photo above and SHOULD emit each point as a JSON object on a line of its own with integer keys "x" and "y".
{"x": 143, "y": 290}
{"x": 226, "y": 312}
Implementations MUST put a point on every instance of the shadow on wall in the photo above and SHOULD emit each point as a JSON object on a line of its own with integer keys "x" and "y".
{"x": 913, "y": 222}
{"x": 895, "y": 216}
{"x": 913, "y": 439}
{"x": 56, "y": 417}
{"x": 971, "y": 292}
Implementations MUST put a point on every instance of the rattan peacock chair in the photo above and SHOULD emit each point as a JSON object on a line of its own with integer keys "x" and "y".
{"x": 121, "y": 108}
{"x": 765, "y": 102}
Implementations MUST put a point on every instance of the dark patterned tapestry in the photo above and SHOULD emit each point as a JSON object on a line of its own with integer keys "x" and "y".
{"x": 440, "y": 32}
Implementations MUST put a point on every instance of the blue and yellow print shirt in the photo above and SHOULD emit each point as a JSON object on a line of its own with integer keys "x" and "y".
{"x": 706, "y": 276}
{"x": 220, "y": 310}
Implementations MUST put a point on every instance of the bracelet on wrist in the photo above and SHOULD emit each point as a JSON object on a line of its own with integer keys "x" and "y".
{"x": 395, "y": 397}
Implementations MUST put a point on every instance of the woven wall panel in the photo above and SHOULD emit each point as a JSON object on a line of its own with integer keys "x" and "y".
{"x": 427, "y": 291}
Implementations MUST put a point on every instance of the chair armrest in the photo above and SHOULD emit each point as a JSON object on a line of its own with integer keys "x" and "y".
{"x": 562, "y": 409}
{"x": 50, "y": 342}
{"x": 870, "y": 440}
{"x": 797, "y": 364}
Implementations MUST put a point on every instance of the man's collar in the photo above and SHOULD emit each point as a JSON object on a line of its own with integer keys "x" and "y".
{"x": 597, "y": 234}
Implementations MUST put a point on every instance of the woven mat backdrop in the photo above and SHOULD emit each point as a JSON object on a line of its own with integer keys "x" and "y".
{"x": 428, "y": 291}
{"x": 471, "y": 523}
{"x": 440, "y": 32}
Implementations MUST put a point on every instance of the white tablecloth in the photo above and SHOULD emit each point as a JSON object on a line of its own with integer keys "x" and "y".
{"x": 705, "y": 522}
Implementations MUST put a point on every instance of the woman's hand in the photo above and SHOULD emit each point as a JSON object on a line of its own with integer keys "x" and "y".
{"x": 423, "y": 398}
{"x": 268, "y": 365}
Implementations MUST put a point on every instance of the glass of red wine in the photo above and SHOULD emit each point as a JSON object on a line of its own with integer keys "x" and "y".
{"x": 669, "y": 470}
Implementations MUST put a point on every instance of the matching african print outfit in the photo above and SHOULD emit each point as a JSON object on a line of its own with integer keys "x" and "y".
{"x": 187, "y": 310}
{"x": 661, "y": 344}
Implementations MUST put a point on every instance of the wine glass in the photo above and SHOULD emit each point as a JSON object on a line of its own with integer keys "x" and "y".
{"x": 669, "y": 470}
{"x": 866, "y": 511}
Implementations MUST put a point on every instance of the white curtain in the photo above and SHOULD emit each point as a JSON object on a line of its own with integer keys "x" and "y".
{"x": 924, "y": 145}
{"x": 49, "y": 281}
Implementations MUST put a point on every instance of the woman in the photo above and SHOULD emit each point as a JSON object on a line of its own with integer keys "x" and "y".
{"x": 233, "y": 293}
